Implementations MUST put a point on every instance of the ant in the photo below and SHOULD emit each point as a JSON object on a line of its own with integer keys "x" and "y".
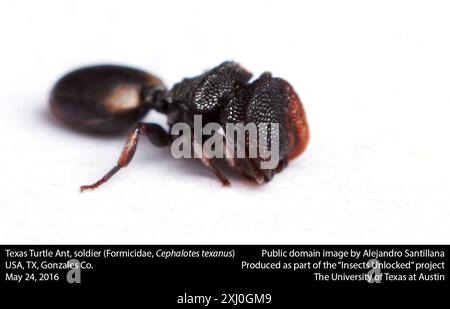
{"x": 110, "y": 99}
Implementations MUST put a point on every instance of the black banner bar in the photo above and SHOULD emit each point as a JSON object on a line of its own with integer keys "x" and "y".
{"x": 227, "y": 274}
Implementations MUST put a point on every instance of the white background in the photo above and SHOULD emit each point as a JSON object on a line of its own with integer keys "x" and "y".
{"x": 374, "y": 77}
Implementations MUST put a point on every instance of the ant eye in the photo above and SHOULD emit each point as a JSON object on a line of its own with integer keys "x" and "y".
{"x": 105, "y": 98}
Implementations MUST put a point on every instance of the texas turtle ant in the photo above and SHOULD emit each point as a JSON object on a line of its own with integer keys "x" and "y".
{"x": 110, "y": 98}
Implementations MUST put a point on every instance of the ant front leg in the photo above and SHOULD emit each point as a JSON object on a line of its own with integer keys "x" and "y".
{"x": 156, "y": 135}
{"x": 209, "y": 163}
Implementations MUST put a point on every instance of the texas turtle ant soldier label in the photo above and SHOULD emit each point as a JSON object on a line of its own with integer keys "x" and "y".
{"x": 249, "y": 274}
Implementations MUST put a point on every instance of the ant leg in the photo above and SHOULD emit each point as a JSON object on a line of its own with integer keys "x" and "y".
{"x": 245, "y": 166}
{"x": 217, "y": 173}
{"x": 156, "y": 135}
{"x": 230, "y": 156}
{"x": 198, "y": 149}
